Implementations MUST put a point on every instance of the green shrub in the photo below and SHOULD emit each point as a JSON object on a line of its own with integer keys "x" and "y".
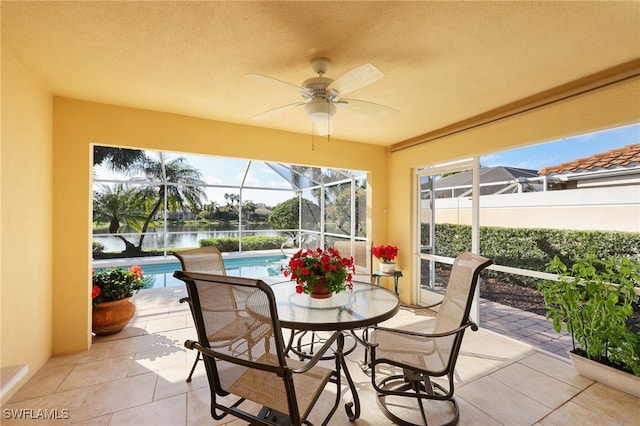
{"x": 534, "y": 248}
{"x": 248, "y": 243}
{"x": 98, "y": 248}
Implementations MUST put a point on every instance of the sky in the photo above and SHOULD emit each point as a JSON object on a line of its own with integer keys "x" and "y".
{"x": 229, "y": 171}
{"x": 561, "y": 151}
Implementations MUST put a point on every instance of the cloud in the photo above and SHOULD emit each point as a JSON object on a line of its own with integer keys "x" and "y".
{"x": 212, "y": 180}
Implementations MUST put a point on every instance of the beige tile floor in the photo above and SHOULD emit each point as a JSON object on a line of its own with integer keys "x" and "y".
{"x": 137, "y": 377}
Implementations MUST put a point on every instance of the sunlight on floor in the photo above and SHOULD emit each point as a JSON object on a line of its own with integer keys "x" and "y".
{"x": 137, "y": 377}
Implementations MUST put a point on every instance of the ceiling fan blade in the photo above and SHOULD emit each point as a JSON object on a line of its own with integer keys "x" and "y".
{"x": 365, "y": 107}
{"x": 278, "y": 110}
{"x": 355, "y": 79}
{"x": 279, "y": 83}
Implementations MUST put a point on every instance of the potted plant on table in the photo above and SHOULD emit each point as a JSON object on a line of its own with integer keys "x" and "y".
{"x": 595, "y": 301}
{"x": 387, "y": 254}
{"x": 111, "y": 291}
{"x": 320, "y": 273}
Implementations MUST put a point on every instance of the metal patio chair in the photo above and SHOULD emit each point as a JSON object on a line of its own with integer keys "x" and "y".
{"x": 423, "y": 355}
{"x": 206, "y": 259}
{"x": 287, "y": 389}
{"x": 361, "y": 256}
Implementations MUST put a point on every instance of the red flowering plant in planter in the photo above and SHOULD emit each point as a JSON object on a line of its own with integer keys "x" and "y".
{"x": 307, "y": 266}
{"x": 386, "y": 253}
{"x": 115, "y": 284}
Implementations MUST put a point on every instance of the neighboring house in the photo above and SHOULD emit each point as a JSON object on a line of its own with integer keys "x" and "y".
{"x": 605, "y": 195}
{"x": 617, "y": 167}
{"x": 493, "y": 180}
{"x": 262, "y": 211}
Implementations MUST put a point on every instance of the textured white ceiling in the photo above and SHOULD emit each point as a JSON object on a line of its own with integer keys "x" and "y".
{"x": 444, "y": 62}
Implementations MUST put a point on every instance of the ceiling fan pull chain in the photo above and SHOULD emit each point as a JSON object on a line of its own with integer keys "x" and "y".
{"x": 329, "y": 119}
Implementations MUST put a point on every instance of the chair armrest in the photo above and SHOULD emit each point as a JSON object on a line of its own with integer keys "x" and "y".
{"x": 471, "y": 324}
{"x": 421, "y": 307}
{"x": 427, "y": 307}
{"x": 279, "y": 370}
{"x": 325, "y": 347}
{"x": 192, "y": 344}
{"x": 433, "y": 305}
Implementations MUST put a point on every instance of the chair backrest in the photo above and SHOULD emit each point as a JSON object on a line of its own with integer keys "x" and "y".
{"x": 237, "y": 319}
{"x": 361, "y": 252}
{"x": 456, "y": 305}
{"x": 206, "y": 259}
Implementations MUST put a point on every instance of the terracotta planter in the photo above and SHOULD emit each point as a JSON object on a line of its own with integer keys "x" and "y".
{"x": 387, "y": 268}
{"x": 605, "y": 374}
{"x": 320, "y": 291}
{"x": 111, "y": 317}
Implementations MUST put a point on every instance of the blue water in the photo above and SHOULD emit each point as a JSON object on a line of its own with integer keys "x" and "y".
{"x": 161, "y": 274}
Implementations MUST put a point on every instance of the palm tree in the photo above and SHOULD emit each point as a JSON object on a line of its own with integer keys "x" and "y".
{"x": 232, "y": 201}
{"x": 333, "y": 200}
{"x": 211, "y": 209}
{"x": 117, "y": 158}
{"x": 117, "y": 205}
{"x": 248, "y": 209}
{"x": 299, "y": 175}
{"x": 208, "y": 210}
{"x": 182, "y": 184}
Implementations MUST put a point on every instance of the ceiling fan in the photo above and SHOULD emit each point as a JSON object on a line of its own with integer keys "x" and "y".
{"x": 323, "y": 94}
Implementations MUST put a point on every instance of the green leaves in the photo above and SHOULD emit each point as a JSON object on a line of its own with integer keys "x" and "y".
{"x": 533, "y": 248}
{"x": 116, "y": 283}
{"x": 593, "y": 300}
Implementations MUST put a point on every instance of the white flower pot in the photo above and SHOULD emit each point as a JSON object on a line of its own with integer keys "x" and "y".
{"x": 387, "y": 268}
{"x": 617, "y": 379}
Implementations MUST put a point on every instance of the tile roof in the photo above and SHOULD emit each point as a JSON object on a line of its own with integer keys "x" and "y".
{"x": 616, "y": 158}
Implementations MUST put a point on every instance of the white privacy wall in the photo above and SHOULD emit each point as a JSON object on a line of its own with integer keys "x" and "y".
{"x": 604, "y": 209}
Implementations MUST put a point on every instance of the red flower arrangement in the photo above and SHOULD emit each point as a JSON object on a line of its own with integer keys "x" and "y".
{"x": 306, "y": 266}
{"x": 386, "y": 253}
{"x": 114, "y": 283}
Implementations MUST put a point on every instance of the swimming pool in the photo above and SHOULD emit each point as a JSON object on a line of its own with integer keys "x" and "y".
{"x": 161, "y": 274}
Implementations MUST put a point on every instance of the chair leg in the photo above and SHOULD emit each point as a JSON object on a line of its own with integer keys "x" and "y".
{"x": 417, "y": 389}
{"x": 410, "y": 385}
{"x": 194, "y": 367}
{"x": 365, "y": 362}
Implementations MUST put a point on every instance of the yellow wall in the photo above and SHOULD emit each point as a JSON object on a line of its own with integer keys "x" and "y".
{"x": 78, "y": 124}
{"x": 26, "y": 159}
{"x": 612, "y": 106}
{"x": 45, "y": 193}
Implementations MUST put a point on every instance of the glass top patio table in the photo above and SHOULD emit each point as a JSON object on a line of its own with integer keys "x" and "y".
{"x": 366, "y": 305}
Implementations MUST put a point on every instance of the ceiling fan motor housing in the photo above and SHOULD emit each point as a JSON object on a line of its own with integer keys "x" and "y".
{"x": 318, "y": 87}
{"x": 320, "y": 106}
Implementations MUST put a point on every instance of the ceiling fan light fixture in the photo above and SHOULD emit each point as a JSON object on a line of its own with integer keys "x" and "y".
{"x": 322, "y": 95}
{"x": 319, "y": 110}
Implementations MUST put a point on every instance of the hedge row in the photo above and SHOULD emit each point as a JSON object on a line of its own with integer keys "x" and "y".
{"x": 248, "y": 243}
{"x": 529, "y": 248}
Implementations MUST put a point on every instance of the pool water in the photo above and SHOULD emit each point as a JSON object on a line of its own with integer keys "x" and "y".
{"x": 161, "y": 274}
